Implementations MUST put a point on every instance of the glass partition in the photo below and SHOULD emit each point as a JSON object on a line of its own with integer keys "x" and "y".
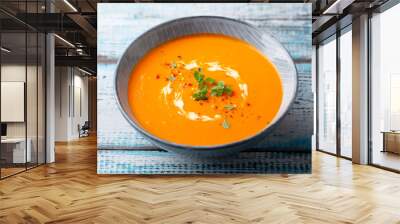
{"x": 14, "y": 153}
{"x": 385, "y": 89}
{"x": 32, "y": 84}
{"x": 327, "y": 96}
{"x": 22, "y": 67}
{"x": 346, "y": 93}
{"x": 41, "y": 96}
{"x": 31, "y": 99}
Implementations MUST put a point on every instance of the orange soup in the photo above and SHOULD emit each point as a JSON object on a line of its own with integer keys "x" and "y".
{"x": 204, "y": 90}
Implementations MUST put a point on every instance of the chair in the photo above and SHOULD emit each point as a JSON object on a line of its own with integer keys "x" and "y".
{"x": 84, "y": 130}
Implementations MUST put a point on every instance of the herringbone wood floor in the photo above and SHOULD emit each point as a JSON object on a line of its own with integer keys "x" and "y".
{"x": 70, "y": 191}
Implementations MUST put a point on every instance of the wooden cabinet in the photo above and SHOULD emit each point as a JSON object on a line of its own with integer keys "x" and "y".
{"x": 391, "y": 142}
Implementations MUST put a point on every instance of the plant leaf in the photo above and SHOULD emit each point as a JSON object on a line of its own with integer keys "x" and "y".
{"x": 173, "y": 65}
{"x": 217, "y": 90}
{"x": 228, "y": 90}
{"x": 171, "y": 78}
{"x": 225, "y": 124}
{"x": 201, "y": 94}
{"x": 198, "y": 76}
{"x": 229, "y": 107}
{"x": 210, "y": 80}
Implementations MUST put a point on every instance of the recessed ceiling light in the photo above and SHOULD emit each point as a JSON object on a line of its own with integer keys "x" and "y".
{"x": 5, "y": 50}
{"x": 65, "y": 41}
{"x": 84, "y": 71}
{"x": 337, "y": 7}
{"x": 70, "y": 5}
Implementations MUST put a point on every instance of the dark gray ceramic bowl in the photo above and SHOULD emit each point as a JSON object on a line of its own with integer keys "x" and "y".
{"x": 160, "y": 34}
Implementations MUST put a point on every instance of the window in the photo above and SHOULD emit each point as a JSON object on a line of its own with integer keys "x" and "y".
{"x": 334, "y": 138}
{"x": 327, "y": 96}
{"x": 385, "y": 89}
{"x": 346, "y": 93}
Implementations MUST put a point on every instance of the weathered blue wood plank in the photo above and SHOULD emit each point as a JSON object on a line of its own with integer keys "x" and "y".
{"x": 156, "y": 162}
{"x": 120, "y": 24}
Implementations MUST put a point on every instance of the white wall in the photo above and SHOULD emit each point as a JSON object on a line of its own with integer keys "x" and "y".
{"x": 62, "y": 81}
{"x": 33, "y": 127}
{"x": 80, "y": 110}
{"x": 71, "y": 102}
{"x": 12, "y": 73}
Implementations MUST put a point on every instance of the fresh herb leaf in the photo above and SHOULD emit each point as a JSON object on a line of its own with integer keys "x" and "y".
{"x": 210, "y": 80}
{"x": 218, "y": 90}
{"x": 229, "y": 107}
{"x": 199, "y": 76}
{"x": 201, "y": 94}
{"x": 225, "y": 124}
{"x": 198, "y": 96}
{"x": 171, "y": 78}
{"x": 173, "y": 65}
{"x": 228, "y": 90}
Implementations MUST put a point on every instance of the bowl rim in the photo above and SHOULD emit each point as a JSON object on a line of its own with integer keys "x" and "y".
{"x": 203, "y": 148}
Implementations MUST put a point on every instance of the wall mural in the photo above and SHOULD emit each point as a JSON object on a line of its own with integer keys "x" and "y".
{"x": 207, "y": 88}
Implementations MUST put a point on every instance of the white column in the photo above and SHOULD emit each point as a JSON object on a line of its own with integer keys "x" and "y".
{"x": 50, "y": 99}
{"x": 360, "y": 90}
{"x": 50, "y": 92}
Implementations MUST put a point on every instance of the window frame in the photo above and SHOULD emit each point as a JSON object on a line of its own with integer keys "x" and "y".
{"x": 334, "y": 37}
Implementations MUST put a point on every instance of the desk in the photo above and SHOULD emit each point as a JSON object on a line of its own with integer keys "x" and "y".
{"x": 391, "y": 141}
{"x": 18, "y": 149}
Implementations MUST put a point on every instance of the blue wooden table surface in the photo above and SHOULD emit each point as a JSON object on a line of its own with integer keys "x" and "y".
{"x": 119, "y": 24}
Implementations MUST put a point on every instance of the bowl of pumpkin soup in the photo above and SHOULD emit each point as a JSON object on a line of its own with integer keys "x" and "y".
{"x": 205, "y": 86}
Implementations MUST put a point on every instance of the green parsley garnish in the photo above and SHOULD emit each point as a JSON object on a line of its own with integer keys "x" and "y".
{"x": 228, "y": 90}
{"x": 173, "y": 65}
{"x": 210, "y": 80}
{"x": 225, "y": 124}
{"x": 220, "y": 89}
{"x": 199, "y": 77}
{"x": 201, "y": 94}
{"x": 217, "y": 88}
{"x": 171, "y": 78}
{"x": 229, "y": 107}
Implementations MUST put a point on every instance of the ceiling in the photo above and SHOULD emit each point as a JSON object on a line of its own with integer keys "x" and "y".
{"x": 75, "y": 22}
